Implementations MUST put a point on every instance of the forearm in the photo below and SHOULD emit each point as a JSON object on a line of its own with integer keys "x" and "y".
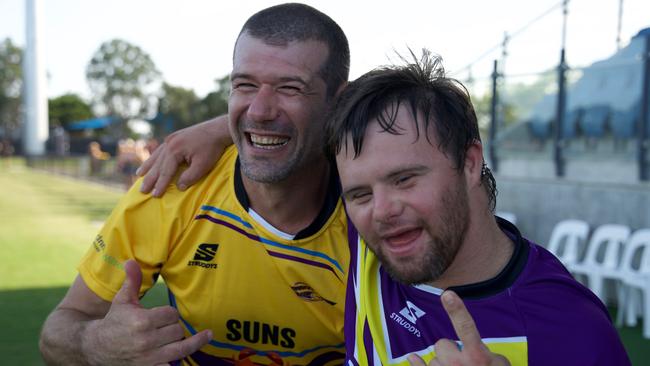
{"x": 218, "y": 127}
{"x": 64, "y": 340}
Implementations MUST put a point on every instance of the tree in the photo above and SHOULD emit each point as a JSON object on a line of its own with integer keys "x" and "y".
{"x": 68, "y": 108}
{"x": 178, "y": 107}
{"x": 516, "y": 101}
{"x": 523, "y": 97}
{"x": 11, "y": 86}
{"x": 216, "y": 102}
{"x": 124, "y": 80}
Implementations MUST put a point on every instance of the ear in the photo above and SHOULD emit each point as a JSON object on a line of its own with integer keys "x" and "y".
{"x": 474, "y": 164}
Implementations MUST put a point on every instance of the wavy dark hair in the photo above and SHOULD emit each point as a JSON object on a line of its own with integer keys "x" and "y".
{"x": 443, "y": 102}
{"x": 284, "y": 23}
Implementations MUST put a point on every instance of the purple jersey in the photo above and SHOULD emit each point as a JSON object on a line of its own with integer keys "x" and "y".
{"x": 533, "y": 312}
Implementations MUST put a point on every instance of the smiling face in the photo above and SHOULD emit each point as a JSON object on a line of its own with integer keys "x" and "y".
{"x": 407, "y": 200}
{"x": 277, "y": 107}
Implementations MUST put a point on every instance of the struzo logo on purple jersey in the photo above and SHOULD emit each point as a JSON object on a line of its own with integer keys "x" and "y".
{"x": 409, "y": 316}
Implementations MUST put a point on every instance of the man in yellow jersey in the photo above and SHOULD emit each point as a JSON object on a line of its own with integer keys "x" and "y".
{"x": 255, "y": 254}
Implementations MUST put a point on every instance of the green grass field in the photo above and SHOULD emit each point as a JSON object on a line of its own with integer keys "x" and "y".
{"x": 46, "y": 224}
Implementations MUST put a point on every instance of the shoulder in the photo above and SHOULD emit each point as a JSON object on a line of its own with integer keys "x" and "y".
{"x": 562, "y": 316}
{"x": 545, "y": 280}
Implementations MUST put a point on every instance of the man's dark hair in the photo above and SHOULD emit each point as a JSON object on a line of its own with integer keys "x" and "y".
{"x": 422, "y": 86}
{"x": 281, "y": 24}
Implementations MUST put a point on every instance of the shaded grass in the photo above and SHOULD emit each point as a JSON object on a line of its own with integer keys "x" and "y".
{"x": 46, "y": 224}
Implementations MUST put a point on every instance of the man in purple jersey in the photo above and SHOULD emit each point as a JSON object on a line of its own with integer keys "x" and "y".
{"x": 413, "y": 177}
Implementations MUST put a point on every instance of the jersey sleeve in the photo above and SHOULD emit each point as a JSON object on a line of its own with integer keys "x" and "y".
{"x": 140, "y": 227}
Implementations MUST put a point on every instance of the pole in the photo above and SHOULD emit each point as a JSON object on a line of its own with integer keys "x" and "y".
{"x": 561, "y": 100}
{"x": 644, "y": 124}
{"x": 35, "y": 128}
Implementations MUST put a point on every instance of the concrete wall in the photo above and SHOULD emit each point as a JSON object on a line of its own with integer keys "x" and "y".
{"x": 599, "y": 192}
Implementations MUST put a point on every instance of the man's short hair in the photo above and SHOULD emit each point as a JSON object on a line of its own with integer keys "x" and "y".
{"x": 281, "y": 24}
{"x": 422, "y": 86}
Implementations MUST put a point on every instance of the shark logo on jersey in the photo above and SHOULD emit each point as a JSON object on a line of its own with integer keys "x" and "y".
{"x": 411, "y": 312}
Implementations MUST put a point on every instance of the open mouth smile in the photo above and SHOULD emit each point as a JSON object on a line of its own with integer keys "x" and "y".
{"x": 267, "y": 142}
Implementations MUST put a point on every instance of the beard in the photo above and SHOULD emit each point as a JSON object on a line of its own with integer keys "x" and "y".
{"x": 269, "y": 171}
{"x": 440, "y": 251}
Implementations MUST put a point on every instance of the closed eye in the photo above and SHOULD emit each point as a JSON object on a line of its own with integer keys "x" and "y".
{"x": 403, "y": 179}
{"x": 290, "y": 90}
{"x": 244, "y": 86}
{"x": 357, "y": 197}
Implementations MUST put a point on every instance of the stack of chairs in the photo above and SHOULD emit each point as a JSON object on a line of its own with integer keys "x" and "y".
{"x": 611, "y": 253}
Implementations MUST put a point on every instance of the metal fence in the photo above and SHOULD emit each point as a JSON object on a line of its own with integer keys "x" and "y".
{"x": 564, "y": 114}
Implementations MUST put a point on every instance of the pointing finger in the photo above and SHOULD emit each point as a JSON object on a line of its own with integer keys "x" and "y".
{"x": 461, "y": 320}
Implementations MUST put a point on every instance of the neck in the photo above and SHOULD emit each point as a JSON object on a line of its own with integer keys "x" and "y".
{"x": 292, "y": 204}
{"x": 484, "y": 253}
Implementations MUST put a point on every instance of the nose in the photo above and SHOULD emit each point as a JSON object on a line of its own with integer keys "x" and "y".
{"x": 264, "y": 106}
{"x": 386, "y": 206}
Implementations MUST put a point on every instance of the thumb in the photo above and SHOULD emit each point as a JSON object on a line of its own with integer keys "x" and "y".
{"x": 130, "y": 291}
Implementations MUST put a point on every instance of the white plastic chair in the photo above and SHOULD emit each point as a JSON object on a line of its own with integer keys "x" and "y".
{"x": 603, "y": 257}
{"x": 567, "y": 239}
{"x": 634, "y": 278}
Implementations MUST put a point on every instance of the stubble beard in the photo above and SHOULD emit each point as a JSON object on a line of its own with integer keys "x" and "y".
{"x": 266, "y": 171}
{"x": 272, "y": 171}
{"x": 440, "y": 250}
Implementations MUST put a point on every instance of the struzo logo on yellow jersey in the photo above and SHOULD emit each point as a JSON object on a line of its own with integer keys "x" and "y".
{"x": 204, "y": 255}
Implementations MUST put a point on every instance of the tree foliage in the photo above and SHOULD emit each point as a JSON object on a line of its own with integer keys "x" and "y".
{"x": 123, "y": 80}
{"x": 179, "y": 104}
{"x": 516, "y": 101}
{"x": 216, "y": 102}
{"x": 68, "y": 108}
{"x": 11, "y": 86}
{"x": 179, "y": 107}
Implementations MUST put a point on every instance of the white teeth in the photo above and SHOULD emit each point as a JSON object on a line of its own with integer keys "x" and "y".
{"x": 268, "y": 142}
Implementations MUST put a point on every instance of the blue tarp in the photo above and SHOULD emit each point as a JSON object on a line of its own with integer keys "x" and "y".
{"x": 91, "y": 124}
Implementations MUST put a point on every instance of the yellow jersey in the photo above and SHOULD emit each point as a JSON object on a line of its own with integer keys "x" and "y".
{"x": 269, "y": 300}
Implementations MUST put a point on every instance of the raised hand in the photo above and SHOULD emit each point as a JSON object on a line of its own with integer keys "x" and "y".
{"x": 473, "y": 352}
{"x": 130, "y": 334}
{"x": 198, "y": 146}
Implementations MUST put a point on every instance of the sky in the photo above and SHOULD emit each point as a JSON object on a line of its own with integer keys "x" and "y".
{"x": 191, "y": 41}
